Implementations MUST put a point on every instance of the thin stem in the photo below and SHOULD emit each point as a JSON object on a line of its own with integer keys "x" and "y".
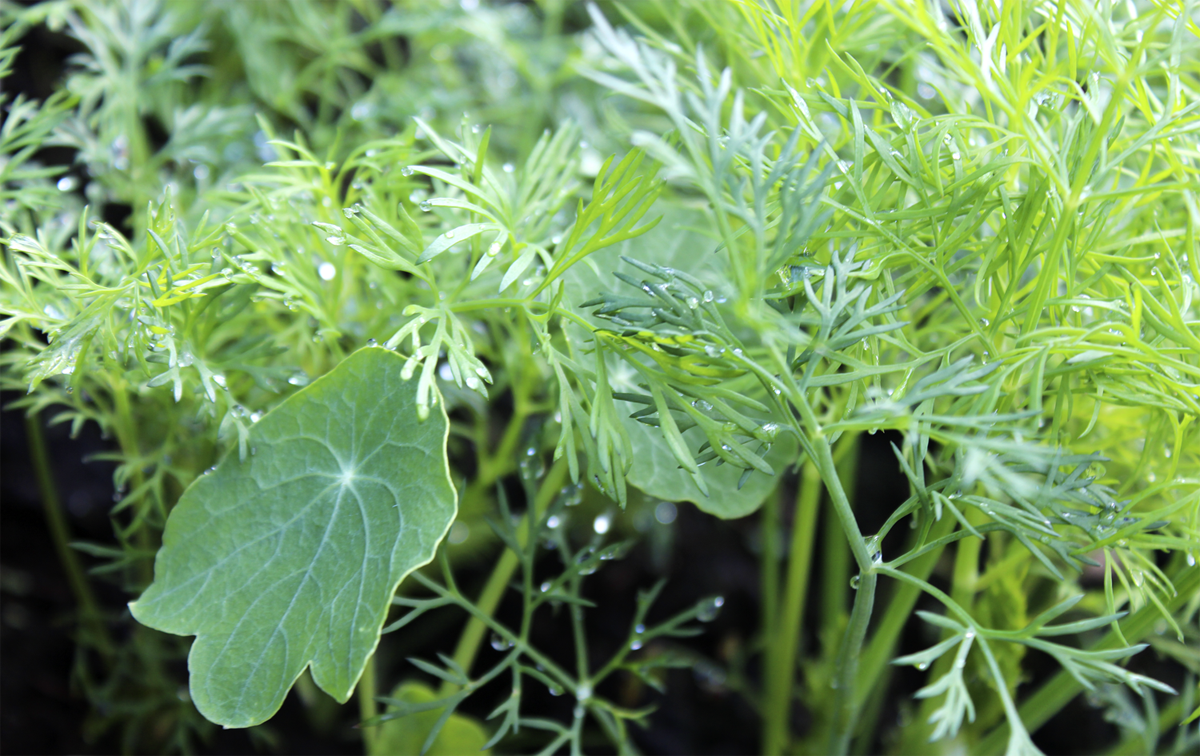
{"x": 493, "y": 590}
{"x": 519, "y": 644}
{"x": 1058, "y": 692}
{"x": 786, "y": 637}
{"x": 57, "y": 523}
{"x": 874, "y": 663}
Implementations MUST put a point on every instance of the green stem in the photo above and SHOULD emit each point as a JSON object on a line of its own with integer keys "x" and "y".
{"x": 367, "y": 707}
{"x": 1058, "y": 692}
{"x": 57, "y": 523}
{"x": 493, "y": 590}
{"x": 785, "y": 639}
{"x": 844, "y": 708}
{"x": 836, "y": 574}
{"x": 874, "y": 664}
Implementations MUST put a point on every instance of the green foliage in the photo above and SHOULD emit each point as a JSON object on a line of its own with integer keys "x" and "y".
{"x": 460, "y": 734}
{"x": 970, "y": 225}
{"x": 288, "y": 557}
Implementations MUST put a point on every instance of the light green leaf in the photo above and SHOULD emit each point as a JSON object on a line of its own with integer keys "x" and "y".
{"x": 656, "y": 472}
{"x": 460, "y": 735}
{"x": 290, "y": 558}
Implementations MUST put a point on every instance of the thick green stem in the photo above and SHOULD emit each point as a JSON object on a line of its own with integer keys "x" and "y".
{"x": 844, "y": 709}
{"x": 493, "y": 590}
{"x": 1058, "y": 692}
{"x": 367, "y": 708}
{"x": 89, "y": 610}
{"x": 785, "y": 638}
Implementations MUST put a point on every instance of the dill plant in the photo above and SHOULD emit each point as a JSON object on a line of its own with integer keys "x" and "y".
{"x": 971, "y": 226}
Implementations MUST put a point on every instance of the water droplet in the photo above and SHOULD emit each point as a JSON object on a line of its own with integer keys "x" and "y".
{"x": 708, "y": 609}
{"x": 336, "y": 241}
{"x": 406, "y": 171}
{"x": 532, "y": 465}
{"x": 553, "y": 522}
{"x": 635, "y": 645}
{"x": 708, "y": 296}
{"x": 554, "y": 690}
{"x": 499, "y": 643}
{"x": 923, "y": 666}
{"x": 449, "y": 234}
{"x": 326, "y": 271}
{"x": 425, "y": 206}
{"x": 508, "y": 167}
{"x": 494, "y": 249}
{"x": 601, "y": 525}
{"x": 67, "y": 184}
{"x": 545, "y": 587}
{"x": 854, "y": 582}
{"x": 665, "y": 512}
{"x": 702, "y": 405}
{"x": 299, "y": 379}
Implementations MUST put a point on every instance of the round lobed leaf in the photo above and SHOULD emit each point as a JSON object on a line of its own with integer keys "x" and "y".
{"x": 289, "y": 558}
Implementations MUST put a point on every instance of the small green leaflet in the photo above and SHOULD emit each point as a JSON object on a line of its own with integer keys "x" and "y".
{"x": 289, "y": 559}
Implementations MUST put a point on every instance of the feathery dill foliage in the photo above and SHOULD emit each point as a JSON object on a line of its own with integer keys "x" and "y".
{"x": 972, "y": 225}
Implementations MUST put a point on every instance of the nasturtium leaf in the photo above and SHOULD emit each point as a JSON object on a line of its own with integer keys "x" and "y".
{"x": 460, "y": 734}
{"x": 289, "y": 558}
{"x": 656, "y": 472}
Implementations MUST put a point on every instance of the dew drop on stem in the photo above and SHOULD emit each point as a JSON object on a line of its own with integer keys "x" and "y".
{"x": 500, "y": 643}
